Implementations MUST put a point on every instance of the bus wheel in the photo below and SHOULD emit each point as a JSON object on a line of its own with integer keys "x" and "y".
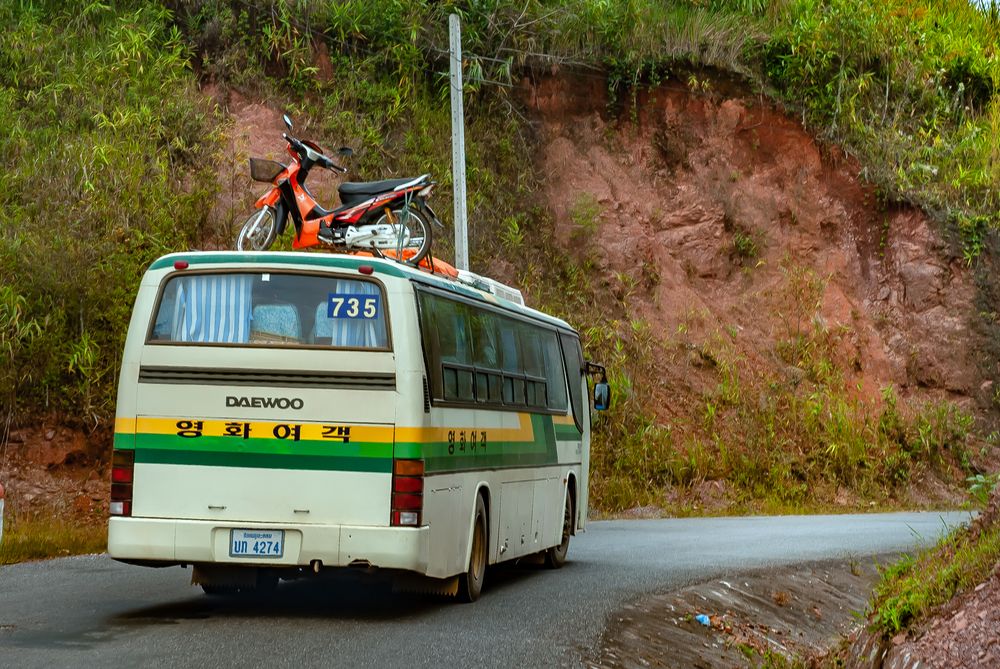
{"x": 470, "y": 584}
{"x": 555, "y": 557}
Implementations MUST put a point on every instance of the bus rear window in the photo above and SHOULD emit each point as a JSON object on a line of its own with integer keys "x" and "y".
{"x": 272, "y": 309}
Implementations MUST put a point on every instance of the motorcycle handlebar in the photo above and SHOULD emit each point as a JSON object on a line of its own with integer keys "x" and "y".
{"x": 303, "y": 150}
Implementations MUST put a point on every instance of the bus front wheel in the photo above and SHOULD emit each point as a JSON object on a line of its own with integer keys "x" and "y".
{"x": 470, "y": 584}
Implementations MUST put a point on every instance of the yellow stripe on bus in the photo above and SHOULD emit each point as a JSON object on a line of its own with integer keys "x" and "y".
{"x": 263, "y": 429}
{"x": 124, "y": 425}
{"x": 524, "y": 432}
{"x": 563, "y": 420}
{"x": 420, "y": 435}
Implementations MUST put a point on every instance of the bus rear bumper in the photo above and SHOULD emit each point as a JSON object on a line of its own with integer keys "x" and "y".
{"x": 203, "y": 541}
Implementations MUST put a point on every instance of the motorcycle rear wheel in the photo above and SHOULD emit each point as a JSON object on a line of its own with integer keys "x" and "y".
{"x": 259, "y": 231}
{"x": 418, "y": 231}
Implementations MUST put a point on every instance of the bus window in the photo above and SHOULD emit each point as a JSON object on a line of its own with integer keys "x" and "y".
{"x": 573, "y": 358}
{"x": 274, "y": 309}
{"x": 486, "y": 350}
{"x": 446, "y": 335}
{"x": 555, "y": 377}
{"x": 531, "y": 356}
{"x": 513, "y": 382}
{"x": 349, "y": 332}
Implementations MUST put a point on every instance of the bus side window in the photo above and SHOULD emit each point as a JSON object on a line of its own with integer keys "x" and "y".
{"x": 513, "y": 382}
{"x": 486, "y": 351}
{"x": 555, "y": 377}
{"x": 573, "y": 357}
{"x": 534, "y": 369}
{"x": 445, "y": 325}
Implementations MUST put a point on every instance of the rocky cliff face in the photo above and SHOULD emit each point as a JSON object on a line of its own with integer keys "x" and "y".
{"x": 727, "y": 215}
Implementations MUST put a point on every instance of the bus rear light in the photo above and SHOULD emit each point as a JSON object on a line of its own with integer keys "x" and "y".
{"x": 402, "y": 501}
{"x": 407, "y": 484}
{"x": 407, "y": 492}
{"x": 122, "y": 476}
{"x": 121, "y": 508}
{"x": 405, "y": 518}
{"x": 408, "y": 467}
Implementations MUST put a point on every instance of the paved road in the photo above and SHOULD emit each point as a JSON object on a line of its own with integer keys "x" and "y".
{"x": 91, "y": 611}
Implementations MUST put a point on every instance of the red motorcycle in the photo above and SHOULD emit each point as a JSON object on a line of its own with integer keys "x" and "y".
{"x": 388, "y": 217}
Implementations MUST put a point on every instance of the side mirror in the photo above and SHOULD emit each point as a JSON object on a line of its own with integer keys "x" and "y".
{"x": 345, "y": 152}
{"x": 602, "y": 396}
{"x": 288, "y": 121}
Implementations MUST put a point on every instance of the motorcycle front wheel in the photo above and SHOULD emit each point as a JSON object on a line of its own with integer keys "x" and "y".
{"x": 259, "y": 231}
{"x": 413, "y": 231}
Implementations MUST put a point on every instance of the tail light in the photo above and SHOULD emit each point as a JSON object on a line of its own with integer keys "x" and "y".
{"x": 407, "y": 492}
{"x": 122, "y": 473}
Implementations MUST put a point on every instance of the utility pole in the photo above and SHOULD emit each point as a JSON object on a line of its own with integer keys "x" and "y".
{"x": 458, "y": 145}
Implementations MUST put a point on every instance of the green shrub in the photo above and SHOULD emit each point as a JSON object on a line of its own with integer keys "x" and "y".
{"x": 105, "y": 148}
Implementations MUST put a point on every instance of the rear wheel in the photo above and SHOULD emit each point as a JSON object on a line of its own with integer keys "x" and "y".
{"x": 413, "y": 233}
{"x": 259, "y": 231}
{"x": 555, "y": 557}
{"x": 470, "y": 584}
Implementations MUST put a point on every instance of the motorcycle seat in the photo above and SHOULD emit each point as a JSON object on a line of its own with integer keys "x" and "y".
{"x": 373, "y": 187}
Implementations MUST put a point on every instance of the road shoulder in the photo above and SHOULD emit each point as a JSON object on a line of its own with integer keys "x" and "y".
{"x": 794, "y": 612}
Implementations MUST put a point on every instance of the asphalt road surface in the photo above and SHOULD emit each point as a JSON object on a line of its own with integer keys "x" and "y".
{"x": 93, "y": 612}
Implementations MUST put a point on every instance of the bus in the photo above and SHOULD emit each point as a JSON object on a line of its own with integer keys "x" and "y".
{"x": 281, "y": 415}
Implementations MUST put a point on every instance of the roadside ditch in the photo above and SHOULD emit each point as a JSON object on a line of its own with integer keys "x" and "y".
{"x": 793, "y": 616}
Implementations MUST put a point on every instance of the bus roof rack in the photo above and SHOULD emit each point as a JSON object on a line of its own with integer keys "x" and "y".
{"x": 492, "y": 287}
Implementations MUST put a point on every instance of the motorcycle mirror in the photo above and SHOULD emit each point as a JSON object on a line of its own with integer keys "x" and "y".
{"x": 288, "y": 121}
{"x": 345, "y": 152}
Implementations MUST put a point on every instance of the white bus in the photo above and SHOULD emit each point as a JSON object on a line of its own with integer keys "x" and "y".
{"x": 280, "y": 414}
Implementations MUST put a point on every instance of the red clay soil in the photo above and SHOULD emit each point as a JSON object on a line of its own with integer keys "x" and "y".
{"x": 53, "y": 469}
{"x": 966, "y": 634}
{"x": 963, "y": 632}
{"x": 677, "y": 182}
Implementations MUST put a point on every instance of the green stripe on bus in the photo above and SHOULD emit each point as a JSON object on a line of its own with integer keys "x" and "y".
{"x": 314, "y": 259}
{"x": 541, "y": 450}
{"x": 567, "y": 433}
{"x": 123, "y": 441}
{"x": 262, "y": 460}
{"x": 238, "y": 445}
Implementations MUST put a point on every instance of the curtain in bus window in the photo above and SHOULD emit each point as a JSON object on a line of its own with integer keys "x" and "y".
{"x": 351, "y": 332}
{"x": 212, "y": 308}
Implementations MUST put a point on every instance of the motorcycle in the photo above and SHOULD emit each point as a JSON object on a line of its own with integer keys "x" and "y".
{"x": 385, "y": 218}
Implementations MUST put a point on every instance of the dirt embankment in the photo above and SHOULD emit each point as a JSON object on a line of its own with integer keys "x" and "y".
{"x": 59, "y": 470}
{"x": 764, "y": 619}
{"x": 710, "y": 200}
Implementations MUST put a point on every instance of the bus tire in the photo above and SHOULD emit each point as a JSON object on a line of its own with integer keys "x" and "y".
{"x": 555, "y": 557}
{"x": 470, "y": 584}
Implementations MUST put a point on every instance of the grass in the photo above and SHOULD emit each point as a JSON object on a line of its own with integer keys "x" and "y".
{"x": 39, "y": 537}
{"x": 106, "y": 150}
{"x": 916, "y": 585}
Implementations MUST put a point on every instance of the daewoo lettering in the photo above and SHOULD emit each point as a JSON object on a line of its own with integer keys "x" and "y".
{"x": 264, "y": 402}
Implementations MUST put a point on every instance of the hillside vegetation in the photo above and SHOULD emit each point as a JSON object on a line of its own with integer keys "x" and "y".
{"x": 113, "y": 152}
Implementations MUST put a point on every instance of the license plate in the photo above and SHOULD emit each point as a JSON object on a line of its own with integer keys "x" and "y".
{"x": 256, "y": 543}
